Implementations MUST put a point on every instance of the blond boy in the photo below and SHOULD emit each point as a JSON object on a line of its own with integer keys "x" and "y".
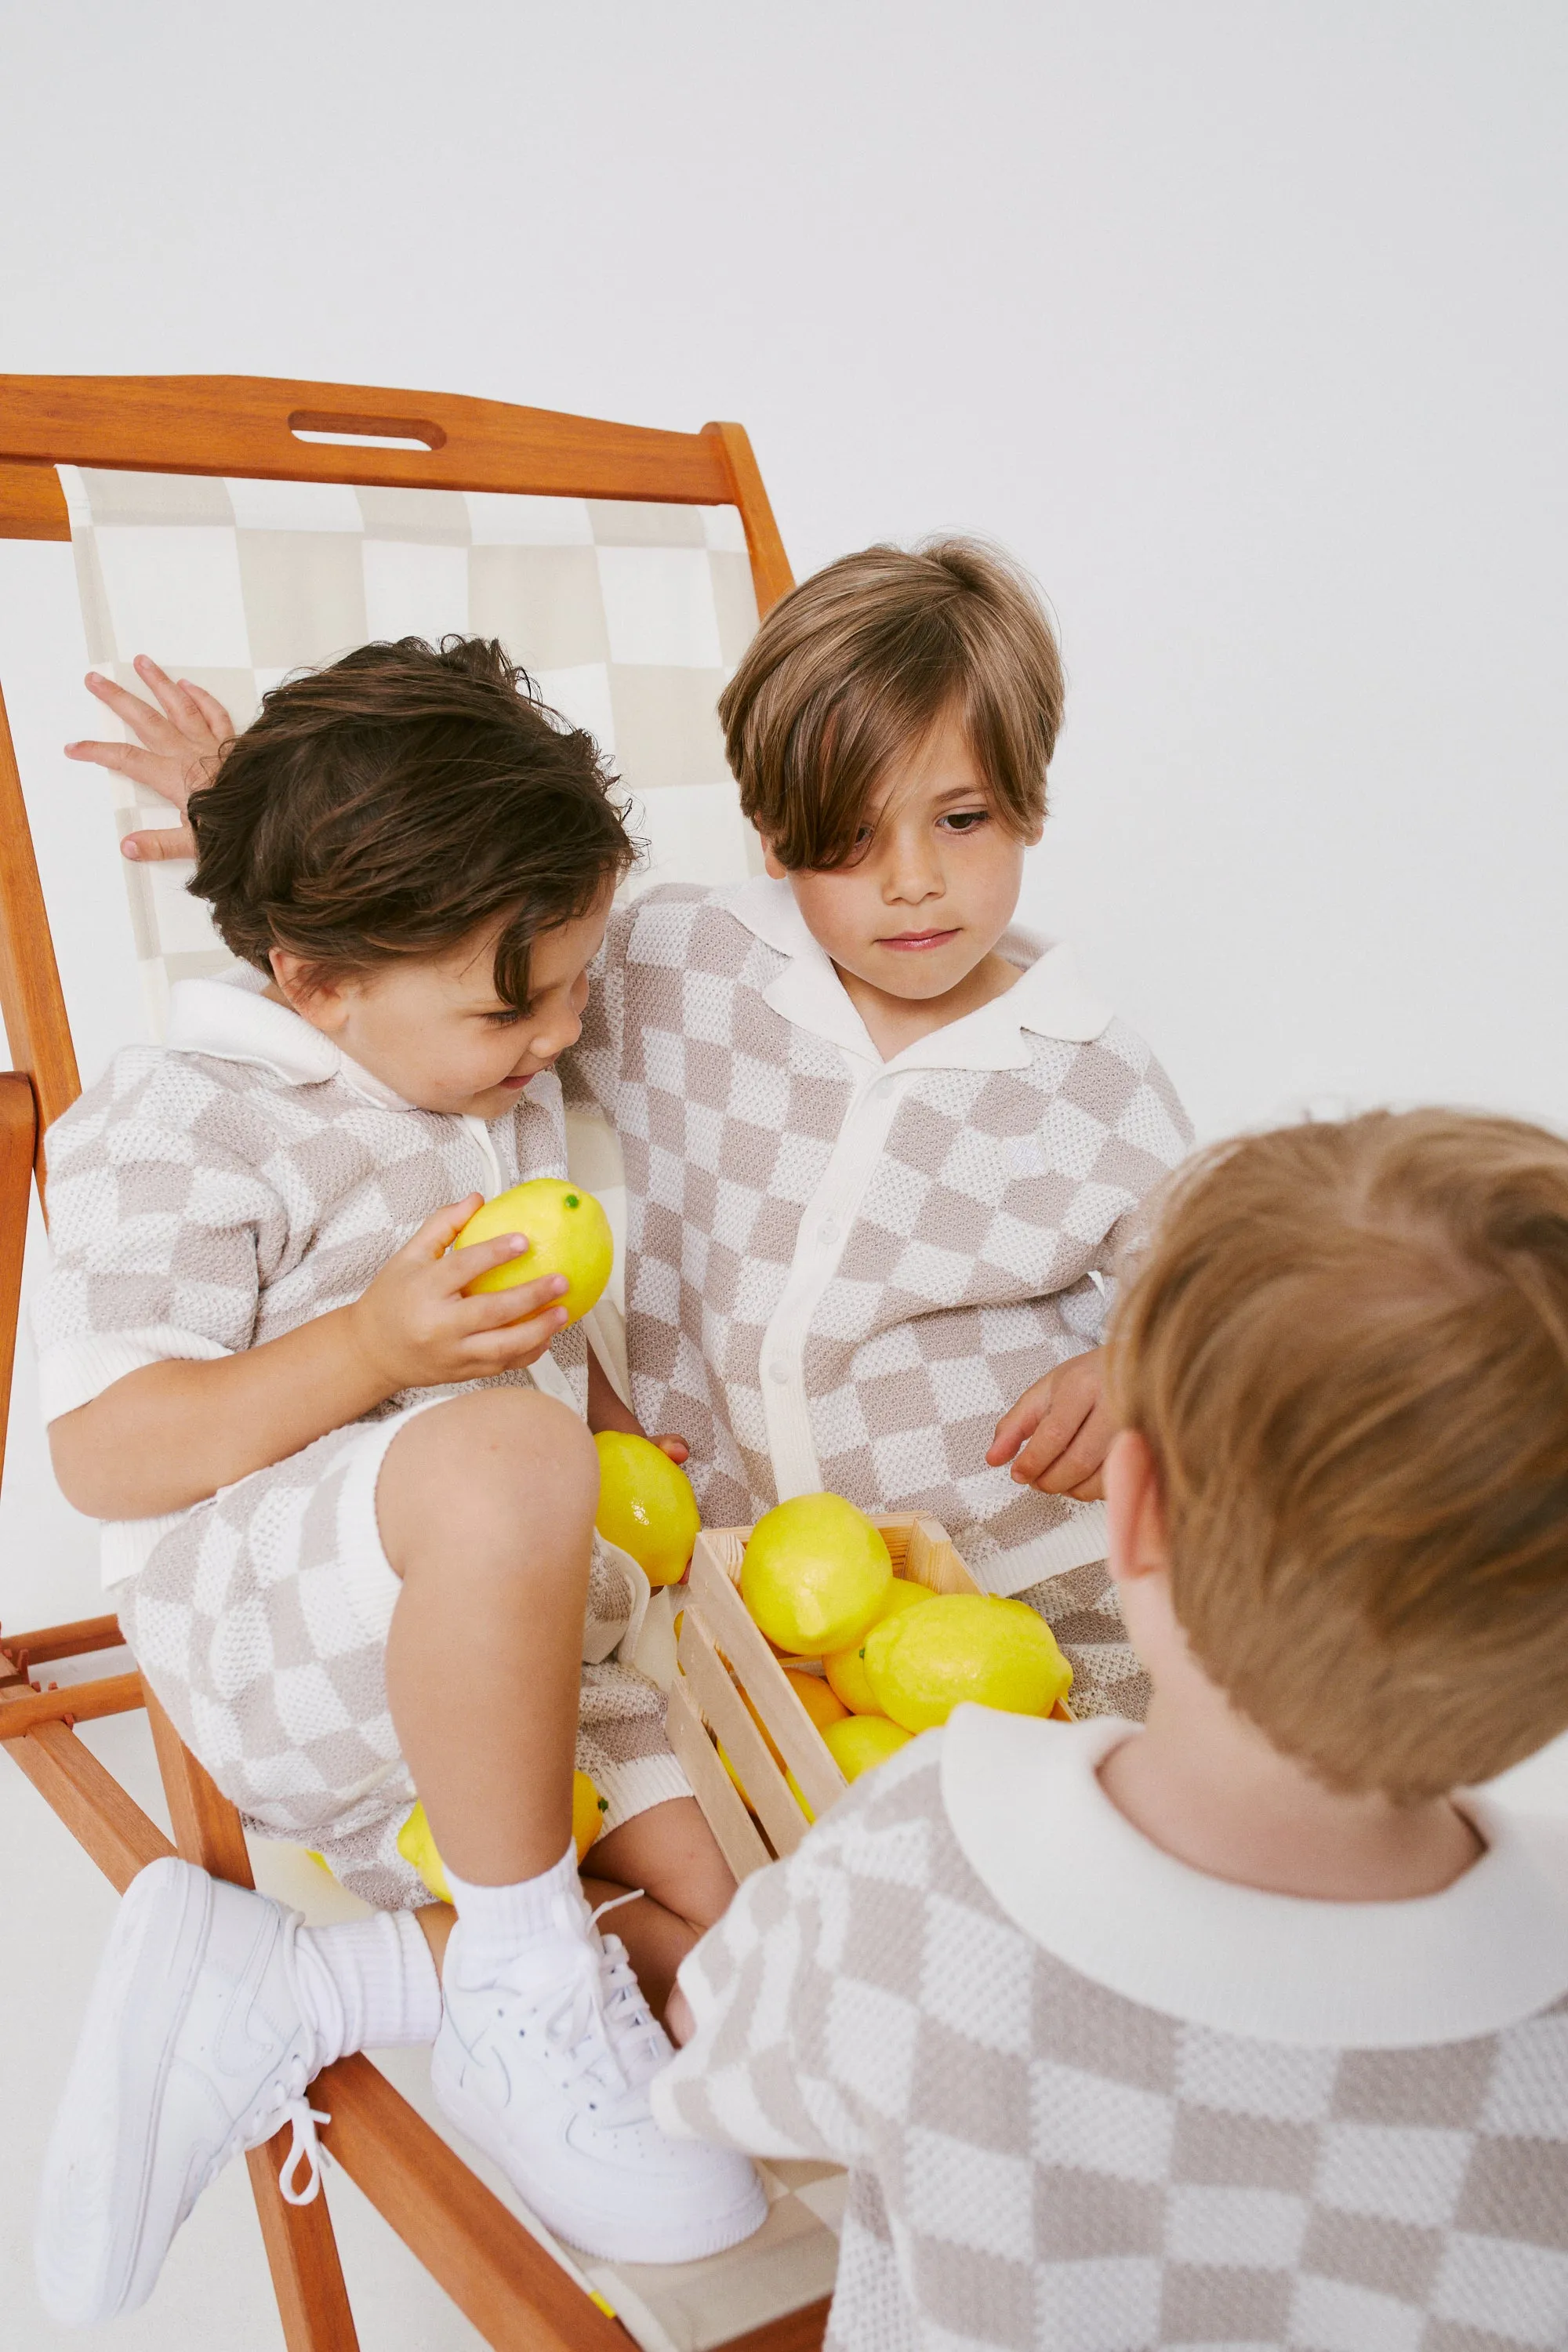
{"x": 1248, "y": 2026}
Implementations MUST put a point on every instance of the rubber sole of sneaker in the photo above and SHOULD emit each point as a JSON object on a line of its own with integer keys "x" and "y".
{"x": 93, "y": 2258}
{"x": 587, "y": 2229}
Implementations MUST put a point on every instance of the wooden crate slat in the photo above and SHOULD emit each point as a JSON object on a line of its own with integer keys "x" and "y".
{"x": 724, "y": 1710}
{"x": 732, "y": 1824}
{"x": 742, "y": 1641}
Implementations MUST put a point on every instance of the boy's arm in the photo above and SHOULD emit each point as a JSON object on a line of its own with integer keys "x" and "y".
{"x": 605, "y": 1410}
{"x": 173, "y": 1432}
{"x": 753, "y": 1999}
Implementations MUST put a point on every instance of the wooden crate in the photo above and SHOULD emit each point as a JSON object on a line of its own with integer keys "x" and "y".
{"x": 721, "y": 1646}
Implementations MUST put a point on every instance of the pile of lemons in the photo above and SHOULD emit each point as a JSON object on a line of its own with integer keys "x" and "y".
{"x": 895, "y": 1657}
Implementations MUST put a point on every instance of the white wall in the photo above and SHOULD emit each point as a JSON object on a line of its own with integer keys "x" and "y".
{"x": 1241, "y": 321}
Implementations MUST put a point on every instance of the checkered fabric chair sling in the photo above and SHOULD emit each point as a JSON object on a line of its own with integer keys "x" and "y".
{"x": 629, "y": 614}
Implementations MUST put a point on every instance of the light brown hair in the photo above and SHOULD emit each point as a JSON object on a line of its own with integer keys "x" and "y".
{"x": 860, "y": 663}
{"x": 391, "y": 803}
{"x": 1347, "y": 1348}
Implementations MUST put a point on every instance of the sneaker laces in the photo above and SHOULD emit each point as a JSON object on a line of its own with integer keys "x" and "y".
{"x": 284, "y": 2101}
{"x": 639, "y": 2041}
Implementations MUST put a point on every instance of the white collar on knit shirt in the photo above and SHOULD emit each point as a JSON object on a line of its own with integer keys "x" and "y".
{"x": 1026, "y": 1805}
{"x": 1050, "y": 999}
{"x": 232, "y": 1021}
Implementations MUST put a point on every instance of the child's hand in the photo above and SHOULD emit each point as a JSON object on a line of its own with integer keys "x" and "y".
{"x": 417, "y": 1329}
{"x": 1063, "y": 1428}
{"x": 182, "y": 742}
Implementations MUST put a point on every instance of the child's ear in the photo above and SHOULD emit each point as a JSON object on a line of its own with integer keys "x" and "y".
{"x": 1135, "y": 1510}
{"x": 772, "y": 861}
{"x": 321, "y": 1002}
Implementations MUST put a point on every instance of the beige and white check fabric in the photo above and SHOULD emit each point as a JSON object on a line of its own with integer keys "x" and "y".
{"x": 629, "y": 616}
{"x": 1038, "y": 2164}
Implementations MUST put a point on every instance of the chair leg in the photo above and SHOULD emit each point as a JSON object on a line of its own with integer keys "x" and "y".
{"x": 301, "y": 2250}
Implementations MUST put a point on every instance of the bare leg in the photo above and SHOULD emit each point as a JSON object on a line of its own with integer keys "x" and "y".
{"x": 669, "y": 1852}
{"x": 486, "y": 1510}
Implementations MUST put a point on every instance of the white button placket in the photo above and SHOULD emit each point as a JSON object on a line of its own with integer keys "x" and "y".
{"x": 824, "y": 1227}
{"x": 496, "y": 1182}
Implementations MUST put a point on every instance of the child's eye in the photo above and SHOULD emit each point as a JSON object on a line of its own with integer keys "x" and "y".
{"x": 506, "y": 1019}
{"x": 965, "y": 820}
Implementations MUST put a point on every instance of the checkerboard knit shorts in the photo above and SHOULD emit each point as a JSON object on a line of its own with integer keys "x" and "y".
{"x": 1082, "y": 1609}
{"x": 260, "y": 1623}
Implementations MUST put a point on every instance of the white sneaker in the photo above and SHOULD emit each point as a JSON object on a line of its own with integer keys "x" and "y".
{"x": 194, "y": 2046}
{"x": 547, "y": 2070}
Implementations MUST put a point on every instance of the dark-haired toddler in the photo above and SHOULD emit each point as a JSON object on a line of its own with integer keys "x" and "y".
{"x": 349, "y": 1540}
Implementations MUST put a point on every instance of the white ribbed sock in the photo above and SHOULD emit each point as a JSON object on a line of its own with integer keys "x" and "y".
{"x": 496, "y": 1923}
{"x": 368, "y": 1984}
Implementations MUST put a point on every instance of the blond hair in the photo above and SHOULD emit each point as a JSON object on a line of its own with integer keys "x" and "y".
{"x": 1347, "y": 1348}
{"x": 860, "y": 662}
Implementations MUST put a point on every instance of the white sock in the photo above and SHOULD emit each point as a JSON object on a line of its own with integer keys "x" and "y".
{"x": 368, "y": 1984}
{"x": 496, "y": 1923}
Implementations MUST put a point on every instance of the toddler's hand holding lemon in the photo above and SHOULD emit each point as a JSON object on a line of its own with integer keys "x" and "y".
{"x": 567, "y": 1233}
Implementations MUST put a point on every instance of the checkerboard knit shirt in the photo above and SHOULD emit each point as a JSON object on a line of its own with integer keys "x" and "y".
{"x": 210, "y": 1195}
{"x": 841, "y": 1271}
{"x": 1092, "y": 2101}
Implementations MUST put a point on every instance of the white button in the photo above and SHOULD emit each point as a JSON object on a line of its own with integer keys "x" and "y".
{"x": 778, "y": 1370}
{"x": 827, "y": 1233}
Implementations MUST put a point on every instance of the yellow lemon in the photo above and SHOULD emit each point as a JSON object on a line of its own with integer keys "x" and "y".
{"x": 824, "y": 1705}
{"x": 646, "y": 1505}
{"x": 847, "y": 1668}
{"x": 923, "y": 1663}
{"x": 588, "y": 1810}
{"x": 862, "y": 1740}
{"x": 567, "y": 1231}
{"x": 814, "y": 1574}
{"x": 416, "y": 1846}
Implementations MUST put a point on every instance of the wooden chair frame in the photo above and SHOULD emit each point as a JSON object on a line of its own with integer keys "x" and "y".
{"x": 511, "y": 2289}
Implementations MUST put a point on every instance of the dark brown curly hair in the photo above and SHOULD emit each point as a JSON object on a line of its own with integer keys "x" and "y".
{"x": 391, "y": 803}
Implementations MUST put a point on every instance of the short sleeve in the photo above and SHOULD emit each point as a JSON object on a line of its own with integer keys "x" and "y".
{"x": 161, "y": 1221}
{"x": 806, "y": 1994}
{"x": 1151, "y": 1137}
{"x": 751, "y": 1981}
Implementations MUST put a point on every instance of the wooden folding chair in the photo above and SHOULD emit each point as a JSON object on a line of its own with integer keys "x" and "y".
{"x": 238, "y": 428}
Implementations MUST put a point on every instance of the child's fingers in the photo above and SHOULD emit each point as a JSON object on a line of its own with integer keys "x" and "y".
{"x": 167, "y": 840}
{"x": 146, "y": 723}
{"x": 1065, "y": 1467}
{"x": 219, "y": 725}
{"x": 518, "y": 1343}
{"x": 494, "y": 1310}
{"x": 175, "y": 701}
{"x": 676, "y": 1447}
{"x": 436, "y": 1234}
{"x": 467, "y": 1265}
{"x": 1015, "y": 1426}
{"x": 150, "y": 768}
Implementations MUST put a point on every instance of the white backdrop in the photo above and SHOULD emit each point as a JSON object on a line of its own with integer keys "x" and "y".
{"x": 1240, "y": 320}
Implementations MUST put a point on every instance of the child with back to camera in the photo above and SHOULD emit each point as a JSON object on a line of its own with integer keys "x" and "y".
{"x": 350, "y": 1541}
{"x": 1248, "y": 2025}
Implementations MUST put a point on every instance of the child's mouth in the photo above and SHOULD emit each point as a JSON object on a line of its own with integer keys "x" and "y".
{"x": 912, "y": 943}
